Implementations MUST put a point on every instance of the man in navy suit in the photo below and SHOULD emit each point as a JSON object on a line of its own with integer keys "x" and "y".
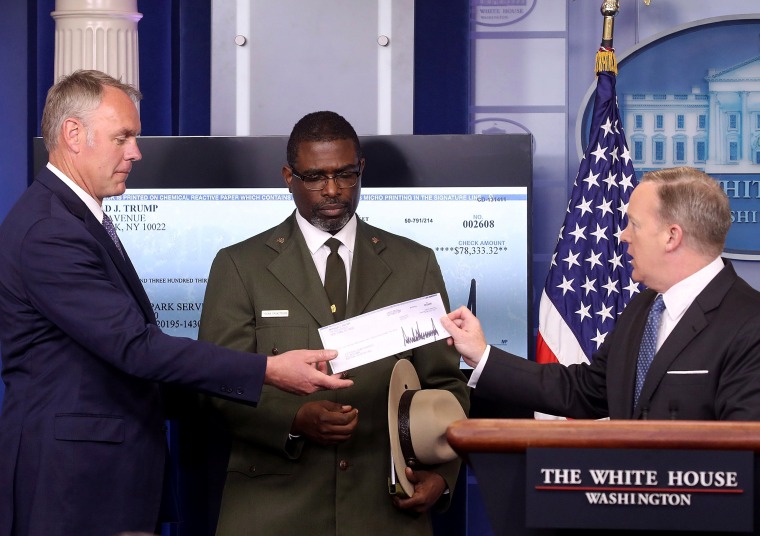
{"x": 707, "y": 341}
{"x": 82, "y": 438}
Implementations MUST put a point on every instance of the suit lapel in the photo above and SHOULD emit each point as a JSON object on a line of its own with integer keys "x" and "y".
{"x": 123, "y": 264}
{"x": 688, "y": 328}
{"x": 78, "y": 209}
{"x": 368, "y": 270}
{"x": 295, "y": 269}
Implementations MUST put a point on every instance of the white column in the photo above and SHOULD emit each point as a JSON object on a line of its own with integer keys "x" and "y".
{"x": 714, "y": 139}
{"x": 385, "y": 66}
{"x": 244, "y": 92}
{"x": 97, "y": 34}
{"x": 745, "y": 123}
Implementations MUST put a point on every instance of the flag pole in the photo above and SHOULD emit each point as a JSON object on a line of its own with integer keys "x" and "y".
{"x": 589, "y": 281}
{"x": 605, "y": 57}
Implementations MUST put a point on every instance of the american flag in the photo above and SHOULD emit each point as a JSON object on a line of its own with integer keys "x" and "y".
{"x": 589, "y": 281}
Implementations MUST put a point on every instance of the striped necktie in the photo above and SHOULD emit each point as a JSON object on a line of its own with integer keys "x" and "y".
{"x": 648, "y": 345}
{"x": 111, "y": 230}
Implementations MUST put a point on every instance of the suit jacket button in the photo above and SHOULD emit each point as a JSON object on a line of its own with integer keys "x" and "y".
{"x": 343, "y": 465}
{"x": 252, "y": 469}
{"x": 275, "y": 351}
{"x": 240, "y": 390}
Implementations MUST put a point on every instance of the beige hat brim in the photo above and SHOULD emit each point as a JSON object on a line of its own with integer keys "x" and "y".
{"x": 403, "y": 378}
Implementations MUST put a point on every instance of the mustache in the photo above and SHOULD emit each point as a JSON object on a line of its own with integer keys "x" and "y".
{"x": 335, "y": 201}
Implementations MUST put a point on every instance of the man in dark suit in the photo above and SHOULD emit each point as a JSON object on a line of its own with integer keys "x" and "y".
{"x": 82, "y": 437}
{"x": 321, "y": 466}
{"x": 707, "y": 340}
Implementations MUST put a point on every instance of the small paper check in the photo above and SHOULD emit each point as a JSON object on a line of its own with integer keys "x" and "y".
{"x": 387, "y": 331}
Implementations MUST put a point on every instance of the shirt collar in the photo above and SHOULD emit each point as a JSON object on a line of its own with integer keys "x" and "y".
{"x": 681, "y": 295}
{"x": 93, "y": 205}
{"x": 315, "y": 238}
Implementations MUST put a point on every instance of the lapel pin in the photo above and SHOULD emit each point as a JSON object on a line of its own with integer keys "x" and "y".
{"x": 281, "y": 240}
{"x": 375, "y": 240}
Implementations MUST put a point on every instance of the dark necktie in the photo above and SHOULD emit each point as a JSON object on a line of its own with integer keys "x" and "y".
{"x": 648, "y": 345}
{"x": 111, "y": 230}
{"x": 335, "y": 280}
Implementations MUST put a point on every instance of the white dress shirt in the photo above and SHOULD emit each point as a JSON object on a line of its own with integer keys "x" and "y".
{"x": 315, "y": 241}
{"x": 93, "y": 205}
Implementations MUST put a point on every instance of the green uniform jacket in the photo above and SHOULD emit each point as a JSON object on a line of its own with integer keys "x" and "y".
{"x": 275, "y": 486}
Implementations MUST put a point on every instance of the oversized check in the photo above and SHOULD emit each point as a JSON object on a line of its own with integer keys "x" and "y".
{"x": 366, "y": 338}
{"x": 481, "y": 245}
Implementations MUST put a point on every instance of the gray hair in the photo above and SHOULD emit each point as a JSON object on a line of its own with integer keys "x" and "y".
{"x": 77, "y": 95}
{"x": 696, "y": 202}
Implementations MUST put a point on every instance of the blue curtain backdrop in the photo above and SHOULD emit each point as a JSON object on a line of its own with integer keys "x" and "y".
{"x": 441, "y": 66}
{"x": 16, "y": 81}
{"x": 16, "y": 63}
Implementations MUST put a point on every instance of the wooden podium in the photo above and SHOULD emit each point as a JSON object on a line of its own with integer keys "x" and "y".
{"x": 497, "y": 450}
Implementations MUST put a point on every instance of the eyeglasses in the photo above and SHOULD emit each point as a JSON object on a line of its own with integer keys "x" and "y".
{"x": 318, "y": 181}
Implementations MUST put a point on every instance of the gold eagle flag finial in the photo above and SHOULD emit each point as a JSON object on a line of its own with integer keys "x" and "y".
{"x": 605, "y": 56}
